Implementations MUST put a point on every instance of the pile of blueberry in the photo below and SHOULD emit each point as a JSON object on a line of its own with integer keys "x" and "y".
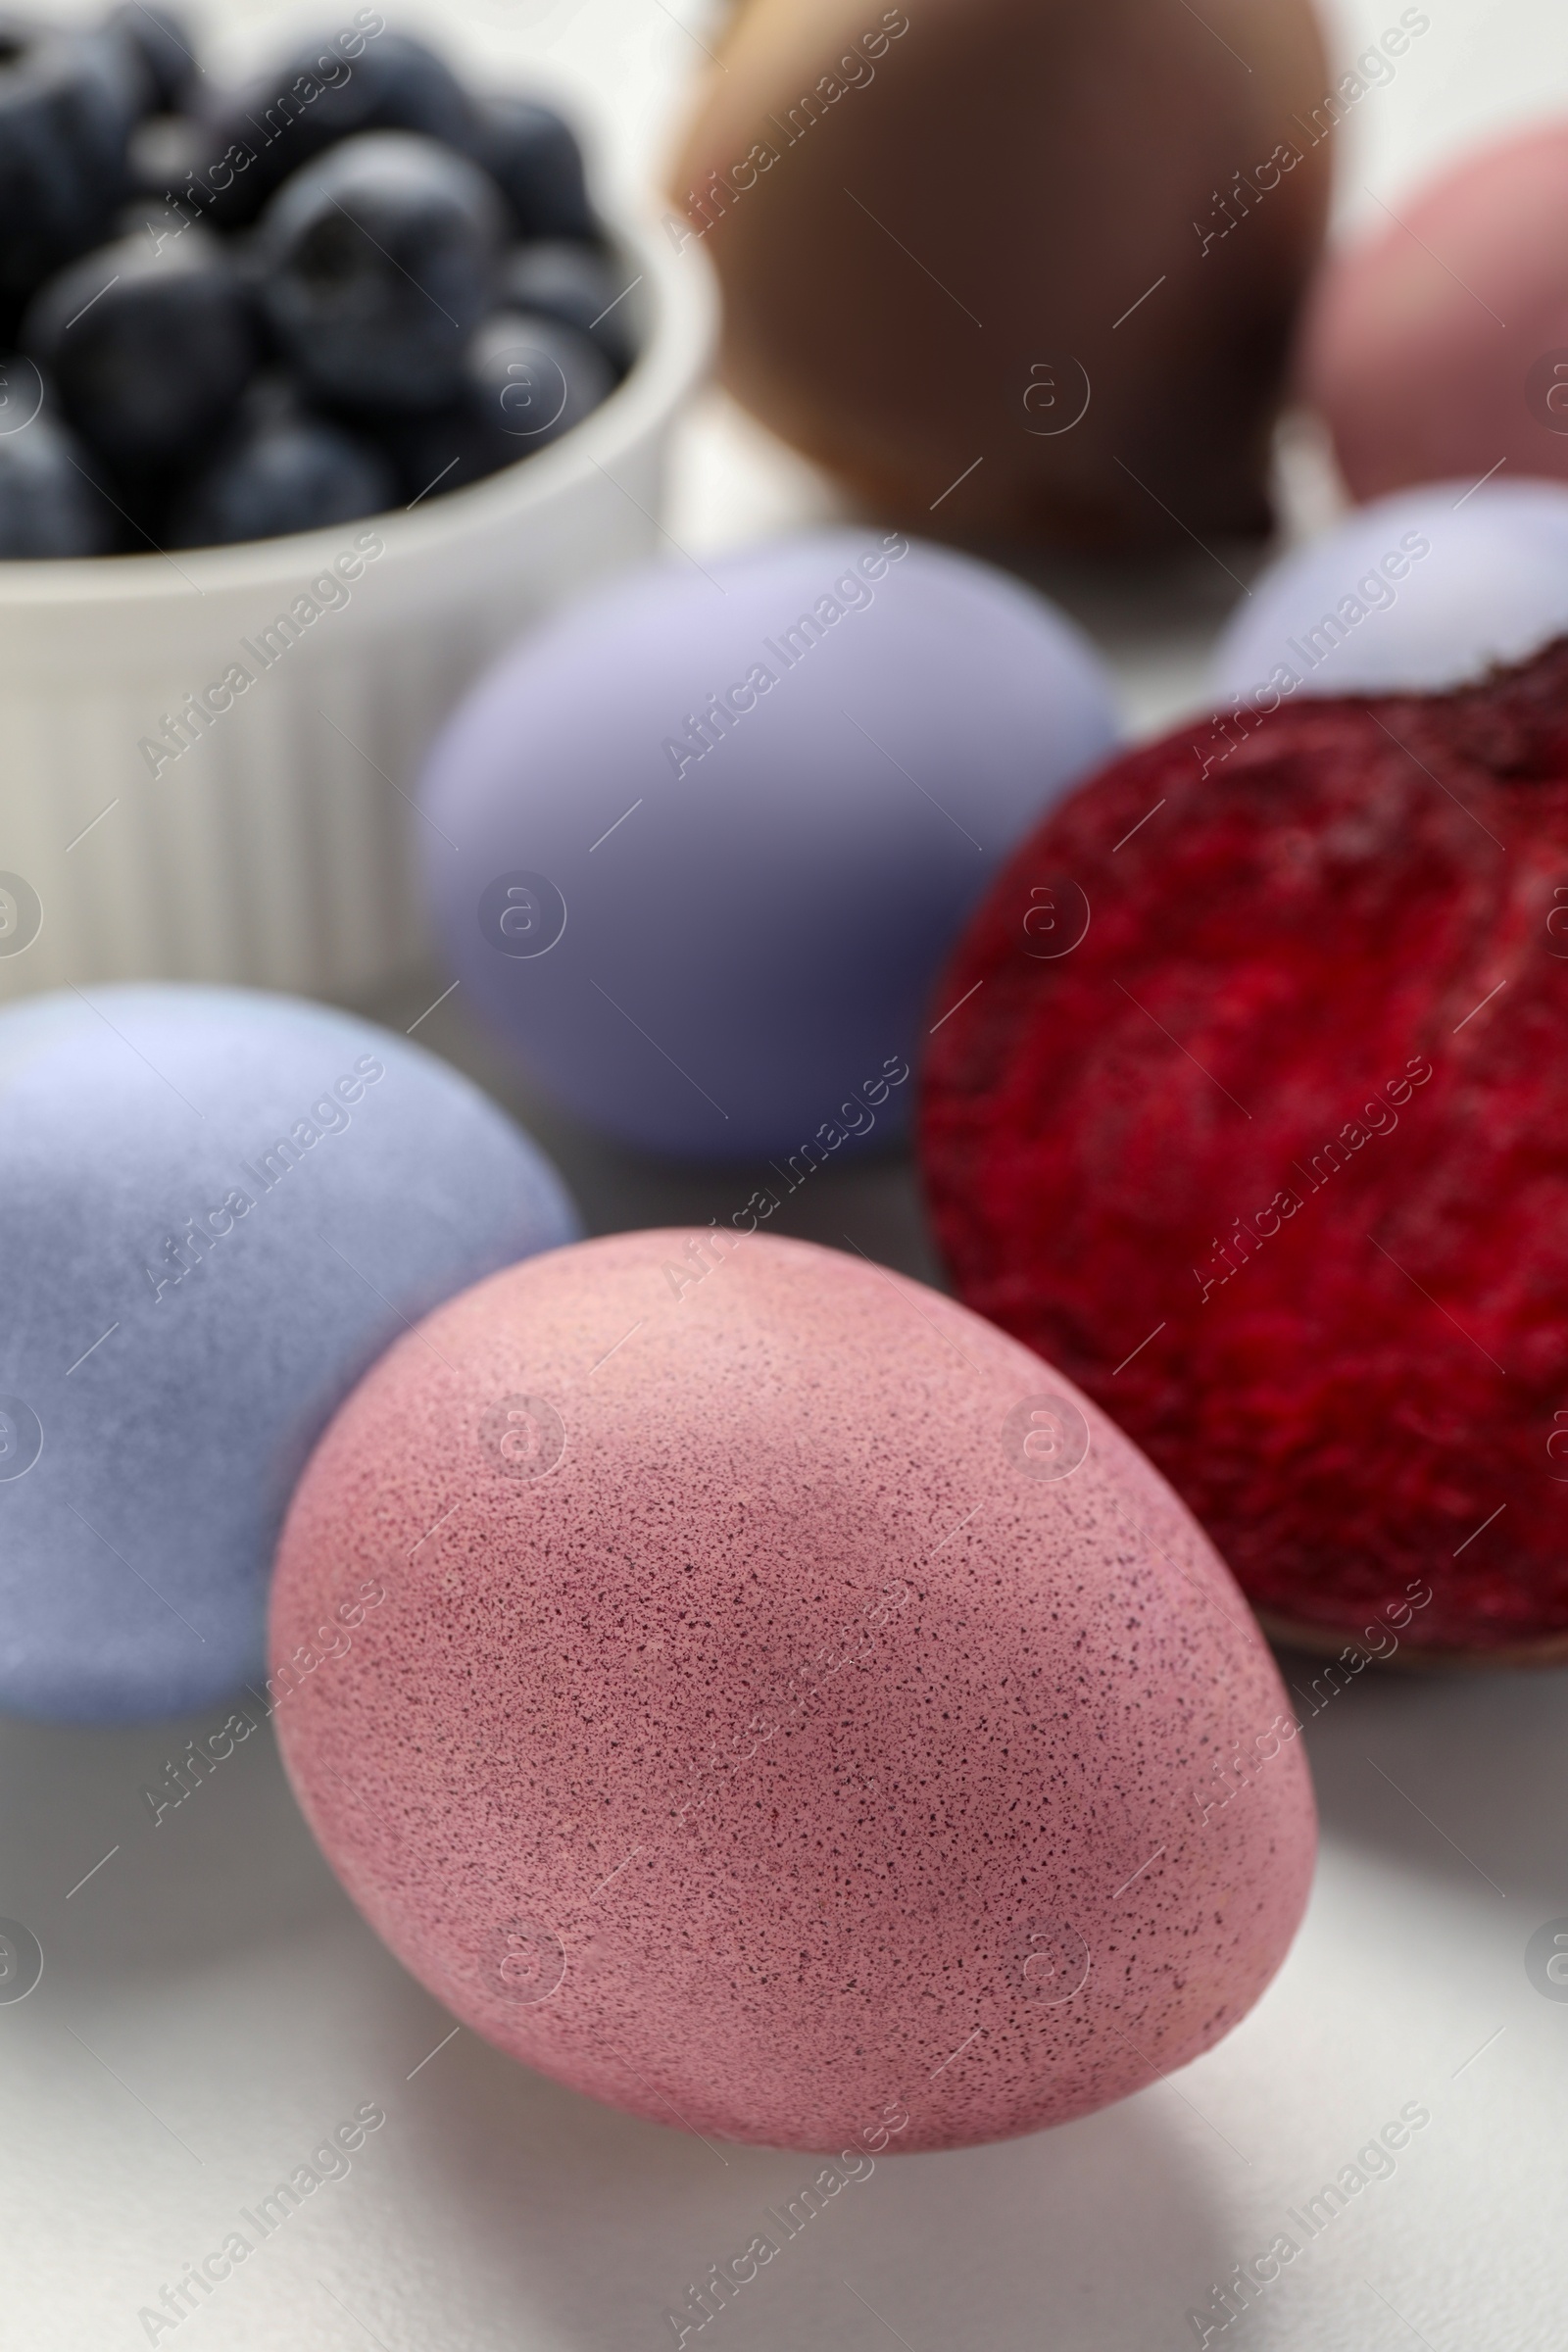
{"x": 230, "y": 314}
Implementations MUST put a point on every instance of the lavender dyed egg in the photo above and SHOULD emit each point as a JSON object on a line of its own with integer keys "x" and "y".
{"x": 1420, "y": 591}
{"x": 698, "y": 849}
{"x": 774, "y": 1701}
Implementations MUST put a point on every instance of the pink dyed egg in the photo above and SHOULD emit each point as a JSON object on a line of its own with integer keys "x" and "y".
{"x": 1437, "y": 347}
{"x": 750, "y": 1687}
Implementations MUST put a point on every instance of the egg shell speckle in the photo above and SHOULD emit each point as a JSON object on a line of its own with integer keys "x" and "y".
{"x": 218, "y": 1207}
{"x": 755, "y": 1718}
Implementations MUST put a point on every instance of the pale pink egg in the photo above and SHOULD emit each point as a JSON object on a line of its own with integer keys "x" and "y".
{"x": 1436, "y": 347}
{"x": 747, "y": 1686}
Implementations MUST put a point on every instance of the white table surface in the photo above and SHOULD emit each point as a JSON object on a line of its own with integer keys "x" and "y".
{"x": 211, "y": 2007}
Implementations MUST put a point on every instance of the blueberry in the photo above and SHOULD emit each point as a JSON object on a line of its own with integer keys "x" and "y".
{"x": 579, "y": 284}
{"x": 150, "y": 348}
{"x": 381, "y": 263}
{"x": 48, "y": 504}
{"x": 125, "y": 91}
{"x": 315, "y": 96}
{"x": 535, "y": 377}
{"x": 68, "y": 101}
{"x": 532, "y": 155}
{"x": 166, "y": 48}
{"x": 526, "y": 381}
{"x": 280, "y": 470}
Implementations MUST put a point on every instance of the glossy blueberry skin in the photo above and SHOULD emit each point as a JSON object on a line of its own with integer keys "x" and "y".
{"x": 280, "y": 470}
{"x": 393, "y": 83}
{"x": 68, "y": 101}
{"x": 166, "y": 47}
{"x": 379, "y": 263}
{"x": 149, "y": 347}
{"x": 579, "y": 284}
{"x": 528, "y": 380}
{"x": 47, "y": 505}
{"x": 532, "y": 153}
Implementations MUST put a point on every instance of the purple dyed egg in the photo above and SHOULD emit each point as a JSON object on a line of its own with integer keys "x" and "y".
{"x": 697, "y": 850}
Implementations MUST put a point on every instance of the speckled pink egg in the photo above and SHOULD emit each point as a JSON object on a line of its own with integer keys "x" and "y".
{"x": 746, "y": 1686}
{"x": 1437, "y": 348}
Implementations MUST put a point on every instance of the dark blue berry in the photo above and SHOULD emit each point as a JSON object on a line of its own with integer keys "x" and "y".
{"x": 380, "y": 261}
{"x": 579, "y": 284}
{"x": 536, "y": 376}
{"x": 281, "y": 470}
{"x": 166, "y": 47}
{"x": 68, "y": 101}
{"x": 149, "y": 347}
{"x": 317, "y": 95}
{"x": 532, "y": 155}
{"x": 49, "y": 506}
{"x": 526, "y": 381}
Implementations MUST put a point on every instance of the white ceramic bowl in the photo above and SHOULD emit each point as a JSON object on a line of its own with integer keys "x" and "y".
{"x": 274, "y": 849}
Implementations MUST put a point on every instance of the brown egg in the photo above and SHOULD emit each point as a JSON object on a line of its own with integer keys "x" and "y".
{"x": 1014, "y": 268}
{"x": 1438, "y": 346}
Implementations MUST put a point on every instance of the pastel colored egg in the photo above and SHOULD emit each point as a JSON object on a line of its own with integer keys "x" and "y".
{"x": 1438, "y": 345}
{"x": 218, "y": 1208}
{"x": 770, "y": 1699}
{"x": 696, "y": 849}
{"x": 1423, "y": 590}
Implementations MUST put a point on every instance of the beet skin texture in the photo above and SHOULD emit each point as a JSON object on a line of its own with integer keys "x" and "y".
{"x": 1247, "y": 1105}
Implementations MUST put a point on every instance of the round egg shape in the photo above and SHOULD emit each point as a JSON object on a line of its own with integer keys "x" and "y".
{"x": 1424, "y": 590}
{"x": 767, "y": 1680}
{"x": 1438, "y": 345}
{"x": 696, "y": 849}
{"x": 1012, "y": 281}
{"x": 220, "y": 1207}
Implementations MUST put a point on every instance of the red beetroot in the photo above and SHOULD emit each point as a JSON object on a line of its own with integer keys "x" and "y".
{"x": 1274, "y": 1161}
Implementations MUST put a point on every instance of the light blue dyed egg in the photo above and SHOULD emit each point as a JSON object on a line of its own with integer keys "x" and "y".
{"x": 218, "y": 1208}
{"x": 698, "y": 848}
